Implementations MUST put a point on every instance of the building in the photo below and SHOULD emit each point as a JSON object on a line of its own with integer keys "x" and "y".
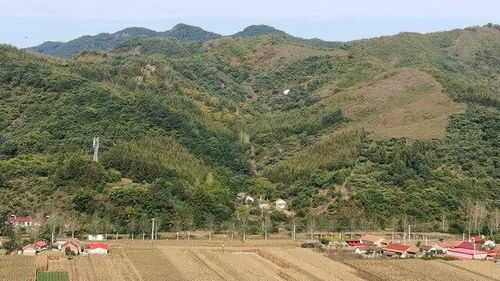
{"x": 449, "y": 244}
{"x": 97, "y": 237}
{"x": 249, "y": 200}
{"x": 25, "y": 221}
{"x": 466, "y": 254}
{"x": 280, "y": 204}
{"x": 369, "y": 239}
{"x": 432, "y": 250}
{"x": 98, "y": 249}
{"x": 41, "y": 245}
{"x": 29, "y": 250}
{"x": 402, "y": 251}
{"x": 73, "y": 245}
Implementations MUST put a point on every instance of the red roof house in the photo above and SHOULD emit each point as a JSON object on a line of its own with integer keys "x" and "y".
{"x": 40, "y": 244}
{"x": 400, "y": 250}
{"x": 25, "y": 221}
{"x": 466, "y": 254}
{"x": 98, "y": 248}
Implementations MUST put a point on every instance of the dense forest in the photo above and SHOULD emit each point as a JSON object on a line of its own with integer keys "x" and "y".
{"x": 371, "y": 134}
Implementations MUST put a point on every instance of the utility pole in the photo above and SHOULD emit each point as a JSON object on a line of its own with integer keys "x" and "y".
{"x": 95, "y": 146}
{"x": 152, "y": 229}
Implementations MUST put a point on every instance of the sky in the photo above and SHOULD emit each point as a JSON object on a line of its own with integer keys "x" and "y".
{"x": 26, "y": 23}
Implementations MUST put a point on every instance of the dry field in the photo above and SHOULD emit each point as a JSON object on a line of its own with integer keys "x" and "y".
{"x": 17, "y": 268}
{"x": 417, "y": 269}
{"x": 252, "y": 260}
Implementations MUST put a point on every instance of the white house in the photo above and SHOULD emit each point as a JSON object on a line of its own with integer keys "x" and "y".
{"x": 466, "y": 254}
{"x": 280, "y": 204}
{"x": 97, "y": 237}
{"x": 249, "y": 199}
{"x": 98, "y": 249}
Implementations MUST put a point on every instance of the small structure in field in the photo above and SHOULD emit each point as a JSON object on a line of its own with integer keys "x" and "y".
{"x": 401, "y": 251}
{"x": 96, "y": 237}
{"x": 249, "y": 200}
{"x": 98, "y": 249}
{"x": 29, "y": 250}
{"x": 286, "y": 92}
{"x": 280, "y": 204}
{"x": 466, "y": 254}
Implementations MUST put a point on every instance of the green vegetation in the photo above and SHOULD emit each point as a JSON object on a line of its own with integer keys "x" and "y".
{"x": 185, "y": 126}
{"x": 52, "y": 276}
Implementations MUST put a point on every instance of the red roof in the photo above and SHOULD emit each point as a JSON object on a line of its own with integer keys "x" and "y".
{"x": 24, "y": 219}
{"x": 41, "y": 244}
{"x": 98, "y": 246}
{"x": 467, "y": 251}
{"x": 397, "y": 248}
{"x": 468, "y": 245}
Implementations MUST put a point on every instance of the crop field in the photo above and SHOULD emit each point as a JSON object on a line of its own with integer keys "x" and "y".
{"x": 417, "y": 269}
{"x": 234, "y": 260}
{"x": 17, "y": 268}
{"x": 52, "y": 276}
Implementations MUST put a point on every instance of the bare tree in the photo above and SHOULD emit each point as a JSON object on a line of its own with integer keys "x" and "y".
{"x": 266, "y": 224}
{"x": 311, "y": 225}
{"x": 475, "y": 213}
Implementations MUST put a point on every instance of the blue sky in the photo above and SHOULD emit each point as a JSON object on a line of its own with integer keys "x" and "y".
{"x": 30, "y": 22}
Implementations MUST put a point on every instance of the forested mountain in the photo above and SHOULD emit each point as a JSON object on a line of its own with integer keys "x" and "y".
{"x": 374, "y": 133}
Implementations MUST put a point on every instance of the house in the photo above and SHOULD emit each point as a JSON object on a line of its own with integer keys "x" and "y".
{"x": 367, "y": 250}
{"x": 241, "y": 195}
{"x": 73, "y": 245}
{"x": 29, "y": 250}
{"x": 280, "y": 204}
{"x": 469, "y": 246}
{"x": 249, "y": 199}
{"x": 432, "y": 250}
{"x": 494, "y": 253}
{"x": 97, "y": 237}
{"x": 25, "y": 221}
{"x": 466, "y": 254}
{"x": 449, "y": 244}
{"x": 372, "y": 239}
{"x": 402, "y": 251}
{"x": 98, "y": 249}
{"x": 41, "y": 245}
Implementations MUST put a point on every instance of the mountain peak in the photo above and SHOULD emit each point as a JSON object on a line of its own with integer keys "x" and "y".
{"x": 190, "y": 33}
{"x": 257, "y": 30}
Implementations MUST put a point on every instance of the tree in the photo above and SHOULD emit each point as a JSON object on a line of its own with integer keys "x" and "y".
{"x": 266, "y": 224}
{"x": 242, "y": 215}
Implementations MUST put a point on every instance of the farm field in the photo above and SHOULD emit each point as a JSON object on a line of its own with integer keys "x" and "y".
{"x": 17, "y": 268}
{"x": 234, "y": 260}
{"x": 52, "y": 276}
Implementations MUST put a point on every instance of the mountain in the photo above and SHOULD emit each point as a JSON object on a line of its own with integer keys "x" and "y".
{"x": 258, "y": 30}
{"x": 181, "y": 32}
{"x": 189, "y": 33}
{"x": 104, "y": 41}
{"x": 372, "y": 134}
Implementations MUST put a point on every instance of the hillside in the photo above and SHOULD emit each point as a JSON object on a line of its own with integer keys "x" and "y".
{"x": 392, "y": 130}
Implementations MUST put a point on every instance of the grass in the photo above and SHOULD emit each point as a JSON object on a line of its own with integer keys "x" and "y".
{"x": 52, "y": 276}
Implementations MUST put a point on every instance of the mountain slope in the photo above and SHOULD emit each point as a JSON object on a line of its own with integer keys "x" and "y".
{"x": 387, "y": 129}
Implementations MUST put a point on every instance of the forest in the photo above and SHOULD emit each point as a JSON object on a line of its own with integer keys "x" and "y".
{"x": 373, "y": 134}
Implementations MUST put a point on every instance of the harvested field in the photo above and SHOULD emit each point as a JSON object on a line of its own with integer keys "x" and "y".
{"x": 416, "y": 269}
{"x": 17, "y": 268}
{"x": 253, "y": 260}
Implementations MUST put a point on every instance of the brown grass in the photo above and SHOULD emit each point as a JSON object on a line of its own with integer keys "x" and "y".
{"x": 404, "y": 103}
